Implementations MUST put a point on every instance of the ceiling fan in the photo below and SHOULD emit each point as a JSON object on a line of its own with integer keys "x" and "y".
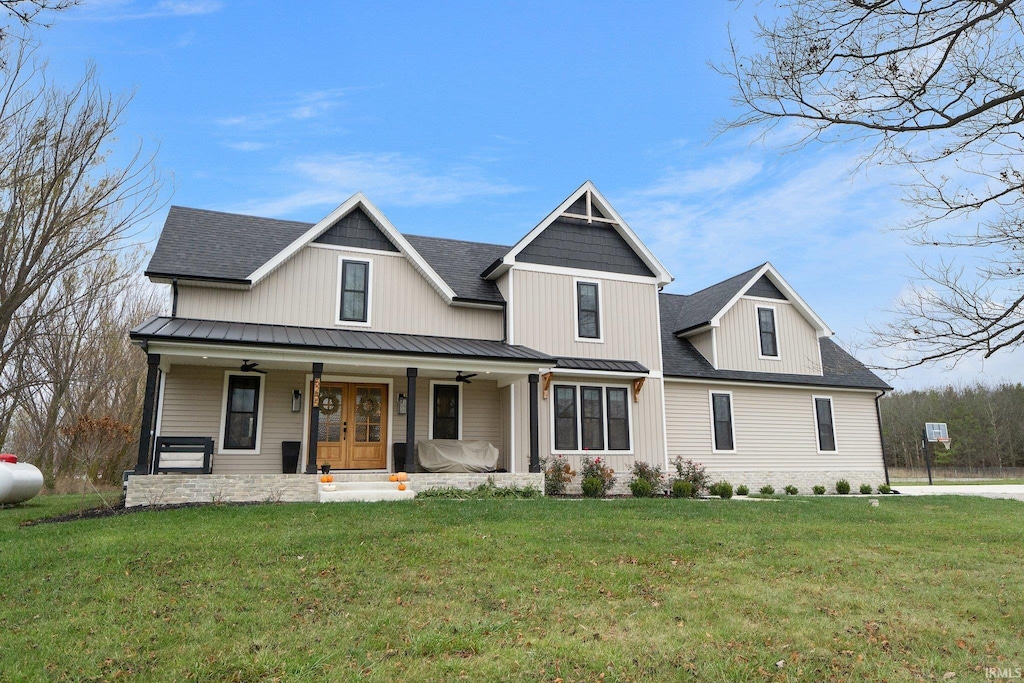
{"x": 459, "y": 377}
{"x": 251, "y": 367}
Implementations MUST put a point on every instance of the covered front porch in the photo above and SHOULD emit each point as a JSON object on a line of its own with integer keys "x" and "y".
{"x": 277, "y": 401}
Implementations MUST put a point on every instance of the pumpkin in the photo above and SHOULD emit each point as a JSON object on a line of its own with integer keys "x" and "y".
{"x": 393, "y": 477}
{"x": 402, "y": 476}
{"x": 401, "y": 487}
{"x": 327, "y": 478}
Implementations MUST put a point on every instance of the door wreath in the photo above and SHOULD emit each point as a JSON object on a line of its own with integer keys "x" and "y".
{"x": 329, "y": 404}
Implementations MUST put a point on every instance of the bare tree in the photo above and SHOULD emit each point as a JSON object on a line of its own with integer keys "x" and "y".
{"x": 935, "y": 86}
{"x": 65, "y": 205}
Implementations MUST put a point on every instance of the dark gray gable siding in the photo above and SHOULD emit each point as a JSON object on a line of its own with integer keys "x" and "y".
{"x": 356, "y": 229}
{"x": 573, "y": 243}
{"x": 765, "y": 288}
{"x": 579, "y": 206}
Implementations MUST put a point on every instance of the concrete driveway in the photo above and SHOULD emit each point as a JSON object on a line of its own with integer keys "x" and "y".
{"x": 1011, "y": 491}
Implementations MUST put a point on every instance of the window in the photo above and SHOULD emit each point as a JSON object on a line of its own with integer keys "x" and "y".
{"x": 588, "y": 311}
{"x": 824, "y": 425}
{"x": 242, "y": 404}
{"x": 721, "y": 419}
{"x": 766, "y": 331}
{"x": 354, "y": 292}
{"x": 592, "y": 418}
{"x": 445, "y": 422}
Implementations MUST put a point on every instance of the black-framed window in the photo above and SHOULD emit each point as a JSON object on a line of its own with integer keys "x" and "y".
{"x": 242, "y": 412}
{"x": 618, "y": 418}
{"x": 826, "y": 428}
{"x": 446, "y": 411}
{"x": 766, "y": 330}
{"x": 565, "y": 418}
{"x": 592, "y": 420}
{"x": 355, "y": 285}
{"x": 588, "y": 322}
{"x": 721, "y": 408}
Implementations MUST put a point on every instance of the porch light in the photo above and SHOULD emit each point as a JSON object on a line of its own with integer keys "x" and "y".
{"x": 296, "y": 400}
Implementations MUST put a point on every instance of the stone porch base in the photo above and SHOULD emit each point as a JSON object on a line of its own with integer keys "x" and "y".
{"x": 175, "y": 489}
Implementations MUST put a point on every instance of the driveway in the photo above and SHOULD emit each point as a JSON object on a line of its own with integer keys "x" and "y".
{"x": 1011, "y": 491}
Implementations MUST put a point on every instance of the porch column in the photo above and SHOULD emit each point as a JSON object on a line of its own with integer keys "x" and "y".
{"x": 410, "y": 421}
{"x": 314, "y": 419}
{"x": 534, "y": 425}
{"x": 148, "y": 413}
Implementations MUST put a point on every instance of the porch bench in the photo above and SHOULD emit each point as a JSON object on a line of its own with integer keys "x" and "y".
{"x": 185, "y": 454}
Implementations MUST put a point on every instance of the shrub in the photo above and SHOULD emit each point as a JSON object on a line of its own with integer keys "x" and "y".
{"x": 488, "y": 490}
{"x": 722, "y": 489}
{"x": 596, "y": 469}
{"x": 865, "y": 489}
{"x": 593, "y": 487}
{"x": 792, "y": 490}
{"x": 683, "y": 489}
{"x": 884, "y": 488}
{"x": 651, "y": 474}
{"x": 557, "y": 474}
{"x": 641, "y": 488}
{"x": 742, "y": 490}
{"x": 819, "y": 490}
{"x": 693, "y": 472}
{"x": 767, "y": 490}
{"x": 842, "y": 487}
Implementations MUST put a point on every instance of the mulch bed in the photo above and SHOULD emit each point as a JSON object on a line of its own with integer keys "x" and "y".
{"x": 117, "y": 509}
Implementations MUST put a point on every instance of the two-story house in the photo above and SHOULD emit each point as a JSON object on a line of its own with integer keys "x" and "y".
{"x": 351, "y": 344}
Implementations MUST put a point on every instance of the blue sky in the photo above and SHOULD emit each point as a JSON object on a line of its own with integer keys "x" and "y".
{"x": 473, "y": 120}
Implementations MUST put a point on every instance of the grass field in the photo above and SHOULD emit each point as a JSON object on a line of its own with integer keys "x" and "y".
{"x": 959, "y": 482}
{"x": 832, "y": 589}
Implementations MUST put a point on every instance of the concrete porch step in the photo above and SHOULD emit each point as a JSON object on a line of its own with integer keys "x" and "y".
{"x": 365, "y": 492}
{"x": 367, "y": 485}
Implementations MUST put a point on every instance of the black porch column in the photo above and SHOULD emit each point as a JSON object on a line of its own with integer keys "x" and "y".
{"x": 534, "y": 426}
{"x": 314, "y": 419}
{"x": 410, "y": 421}
{"x": 148, "y": 413}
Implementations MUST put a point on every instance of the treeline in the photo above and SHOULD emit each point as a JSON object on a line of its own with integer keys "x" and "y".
{"x": 986, "y": 425}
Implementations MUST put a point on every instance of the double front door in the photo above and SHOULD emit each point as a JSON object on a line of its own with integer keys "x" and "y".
{"x": 353, "y": 428}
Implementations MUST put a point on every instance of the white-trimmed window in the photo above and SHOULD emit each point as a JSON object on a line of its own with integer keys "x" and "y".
{"x": 445, "y": 411}
{"x": 723, "y": 433}
{"x": 592, "y": 418}
{"x": 354, "y": 278}
{"x": 588, "y": 311}
{"x": 241, "y": 413}
{"x": 824, "y": 424}
{"x": 768, "y": 338}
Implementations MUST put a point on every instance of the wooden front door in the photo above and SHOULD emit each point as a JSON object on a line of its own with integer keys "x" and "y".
{"x": 353, "y": 431}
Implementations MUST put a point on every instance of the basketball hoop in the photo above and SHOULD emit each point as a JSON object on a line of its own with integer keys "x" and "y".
{"x": 945, "y": 442}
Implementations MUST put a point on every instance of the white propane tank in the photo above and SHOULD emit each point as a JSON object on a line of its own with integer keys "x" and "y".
{"x": 19, "y": 481}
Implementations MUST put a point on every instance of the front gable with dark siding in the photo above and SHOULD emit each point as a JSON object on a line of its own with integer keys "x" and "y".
{"x": 575, "y": 243}
{"x": 356, "y": 229}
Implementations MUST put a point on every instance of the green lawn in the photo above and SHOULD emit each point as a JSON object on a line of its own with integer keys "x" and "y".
{"x": 958, "y": 482}
{"x": 518, "y": 590}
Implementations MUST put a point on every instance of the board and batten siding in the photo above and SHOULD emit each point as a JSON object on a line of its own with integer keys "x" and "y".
{"x": 193, "y": 403}
{"x": 739, "y": 341}
{"x": 304, "y": 291}
{"x": 481, "y": 413}
{"x": 704, "y": 343}
{"x": 775, "y": 436}
{"x": 544, "y": 310}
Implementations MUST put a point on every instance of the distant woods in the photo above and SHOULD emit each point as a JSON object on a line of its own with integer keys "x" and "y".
{"x": 986, "y": 425}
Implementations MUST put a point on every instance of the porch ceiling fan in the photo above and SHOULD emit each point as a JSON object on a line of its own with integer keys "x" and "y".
{"x": 459, "y": 377}
{"x": 251, "y": 367}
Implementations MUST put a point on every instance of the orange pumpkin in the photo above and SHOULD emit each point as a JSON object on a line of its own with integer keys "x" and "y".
{"x": 327, "y": 478}
{"x": 402, "y": 476}
{"x": 393, "y": 477}
{"x": 401, "y": 487}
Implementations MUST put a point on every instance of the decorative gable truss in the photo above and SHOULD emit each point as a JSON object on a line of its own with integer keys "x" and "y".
{"x": 584, "y": 233}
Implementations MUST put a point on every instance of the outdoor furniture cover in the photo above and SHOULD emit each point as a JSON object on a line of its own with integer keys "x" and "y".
{"x": 452, "y": 455}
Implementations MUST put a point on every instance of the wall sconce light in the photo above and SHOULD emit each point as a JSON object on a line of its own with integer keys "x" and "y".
{"x": 403, "y": 404}
{"x": 296, "y": 401}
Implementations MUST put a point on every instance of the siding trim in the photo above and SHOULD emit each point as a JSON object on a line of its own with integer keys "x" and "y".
{"x": 582, "y": 272}
{"x": 358, "y": 250}
{"x": 260, "y": 414}
{"x": 768, "y": 383}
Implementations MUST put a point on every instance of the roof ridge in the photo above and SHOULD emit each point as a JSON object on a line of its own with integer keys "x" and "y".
{"x": 240, "y": 215}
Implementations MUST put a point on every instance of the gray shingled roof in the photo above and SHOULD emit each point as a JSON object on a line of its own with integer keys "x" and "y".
{"x": 602, "y": 364}
{"x": 704, "y": 305}
{"x": 259, "y": 334}
{"x": 681, "y": 359}
{"x": 460, "y": 263}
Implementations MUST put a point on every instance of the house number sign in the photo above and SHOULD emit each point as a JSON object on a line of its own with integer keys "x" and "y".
{"x": 316, "y": 392}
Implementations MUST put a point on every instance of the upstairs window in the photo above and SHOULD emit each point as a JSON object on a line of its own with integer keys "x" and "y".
{"x": 721, "y": 421}
{"x": 824, "y": 424}
{"x": 588, "y": 311}
{"x": 354, "y": 295}
{"x": 241, "y": 413}
{"x": 766, "y": 331}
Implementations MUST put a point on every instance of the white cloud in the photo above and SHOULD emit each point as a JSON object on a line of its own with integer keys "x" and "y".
{"x": 388, "y": 178}
{"x": 126, "y": 10}
{"x": 246, "y": 146}
{"x": 303, "y": 106}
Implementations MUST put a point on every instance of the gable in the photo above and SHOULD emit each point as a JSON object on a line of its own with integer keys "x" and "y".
{"x": 356, "y": 229}
{"x": 575, "y": 243}
{"x": 765, "y": 288}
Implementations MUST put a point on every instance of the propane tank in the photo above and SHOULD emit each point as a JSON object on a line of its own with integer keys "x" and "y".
{"x": 19, "y": 481}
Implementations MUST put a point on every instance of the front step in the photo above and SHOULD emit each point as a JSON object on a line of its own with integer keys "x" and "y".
{"x": 361, "y": 491}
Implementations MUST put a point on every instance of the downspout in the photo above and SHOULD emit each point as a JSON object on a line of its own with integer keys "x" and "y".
{"x": 174, "y": 297}
{"x": 504, "y": 322}
{"x": 881, "y": 436}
